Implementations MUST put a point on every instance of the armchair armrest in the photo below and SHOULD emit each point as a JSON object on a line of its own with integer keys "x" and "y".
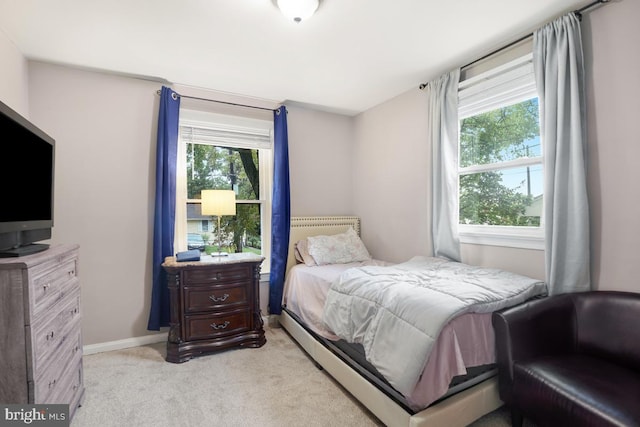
{"x": 531, "y": 330}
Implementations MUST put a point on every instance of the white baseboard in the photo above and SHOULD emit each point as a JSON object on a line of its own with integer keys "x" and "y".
{"x": 125, "y": 343}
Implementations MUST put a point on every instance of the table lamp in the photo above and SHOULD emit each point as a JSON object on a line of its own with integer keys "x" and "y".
{"x": 218, "y": 203}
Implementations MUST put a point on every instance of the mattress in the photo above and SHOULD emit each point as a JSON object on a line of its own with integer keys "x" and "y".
{"x": 464, "y": 349}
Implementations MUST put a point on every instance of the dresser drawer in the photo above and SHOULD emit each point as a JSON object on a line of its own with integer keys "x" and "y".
{"x": 208, "y": 276}
{"x": 69, "y": 389}
{"x": 214, "y": 298}
{"x": 76, "y": 388}
{"x": 198, "y": 327}
{"x": 50, "y": 285}
{"x": 70, "y": 347}
{"x": 58, "y": 382}
{"x": 58, "y": 333}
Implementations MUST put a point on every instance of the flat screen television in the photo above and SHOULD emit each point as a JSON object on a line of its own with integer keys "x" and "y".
{"x": 27, "y": 159}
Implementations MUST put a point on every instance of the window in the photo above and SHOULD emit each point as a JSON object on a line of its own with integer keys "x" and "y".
{"x": 500, "y": 171}
{"x": 225, "y": 153}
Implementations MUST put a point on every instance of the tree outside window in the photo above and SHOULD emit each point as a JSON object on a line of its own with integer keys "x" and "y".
{"x": 500, "y": 167}
{"x": 223, "y": 168}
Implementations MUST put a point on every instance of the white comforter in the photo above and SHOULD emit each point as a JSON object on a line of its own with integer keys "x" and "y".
{"x": 396, "y": 312}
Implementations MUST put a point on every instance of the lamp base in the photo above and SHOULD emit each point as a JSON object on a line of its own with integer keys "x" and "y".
{"x": 219, "y": 253}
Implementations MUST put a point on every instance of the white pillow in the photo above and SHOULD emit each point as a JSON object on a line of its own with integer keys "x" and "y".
{"x": 296, "y": 254}
{"x": 337, "y": 249}
{"x": 302, "y": 253}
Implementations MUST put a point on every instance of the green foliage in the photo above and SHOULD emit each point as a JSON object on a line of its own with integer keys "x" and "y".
{"x": 246, "y": 223}
{"x": 498, "y": 135}
{"x": 213, "y": 167}
{"x": 484, "y": 200}
{"x": 493, "y": 137}
{"x": 221, "y": 168}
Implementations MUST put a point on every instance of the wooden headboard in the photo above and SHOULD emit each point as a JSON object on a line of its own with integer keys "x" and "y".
{"x": 305, "y": 226}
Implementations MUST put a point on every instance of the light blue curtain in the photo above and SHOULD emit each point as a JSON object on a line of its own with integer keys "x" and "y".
{"x": 281, "y": 211}
{"x": 559, "y": 72}
{"x": 443, "y": 137}
{"x": 165, "y": 204}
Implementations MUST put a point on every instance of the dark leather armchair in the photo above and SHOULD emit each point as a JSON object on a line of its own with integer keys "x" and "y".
{"x": 571, "y": 359}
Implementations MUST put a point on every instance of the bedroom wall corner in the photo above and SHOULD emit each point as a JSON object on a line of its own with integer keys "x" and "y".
{"x": 14, "y": 89}
{"x": 392, "y": 184}
{"x": 392, "y": 189}
{"x": 320, "y": 159}
{"x": 105, "y": 127}
{"x": 612, "y": 59}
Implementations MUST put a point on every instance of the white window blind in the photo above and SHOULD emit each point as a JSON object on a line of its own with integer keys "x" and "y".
{"x": 226, "y": 136}
{"x": 508, "y": 84}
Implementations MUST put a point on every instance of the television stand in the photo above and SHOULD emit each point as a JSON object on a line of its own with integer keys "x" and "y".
{"x": 24, "y": 250}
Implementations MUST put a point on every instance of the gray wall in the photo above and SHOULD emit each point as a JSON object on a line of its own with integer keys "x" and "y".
{"x": 611, "y": 35}
{"x": 14, "y": 89}
{"x": 392, "y": 178}
{"x": 105, "y": 128}
{"x": 320, "y": 156}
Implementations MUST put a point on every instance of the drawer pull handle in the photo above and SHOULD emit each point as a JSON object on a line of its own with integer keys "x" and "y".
{"x": 73, "y": 311}
{"x": 52, "y": 383}
{"x": 217, "y": 276}
{"x": 46, "y": 286}
{"x": 221, "y": 299}
{"x": 223, "y": 326}
{"x": 50, "y": 336}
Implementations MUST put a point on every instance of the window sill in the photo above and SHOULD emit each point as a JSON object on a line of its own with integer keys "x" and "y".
{"x": 504, "y": 236}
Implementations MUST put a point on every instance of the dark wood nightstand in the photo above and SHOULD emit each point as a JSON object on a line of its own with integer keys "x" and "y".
{"x": 215, "y": 305}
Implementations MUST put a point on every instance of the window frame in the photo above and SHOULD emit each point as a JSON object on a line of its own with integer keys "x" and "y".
{"x": 504, "y": 85}
{"x": 224, "y": 123}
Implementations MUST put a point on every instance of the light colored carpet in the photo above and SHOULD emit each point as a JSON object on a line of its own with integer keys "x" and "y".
{"x": 275, "y": 385}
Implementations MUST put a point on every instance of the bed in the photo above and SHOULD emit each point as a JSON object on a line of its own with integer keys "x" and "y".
{"x": 454, "y": 385}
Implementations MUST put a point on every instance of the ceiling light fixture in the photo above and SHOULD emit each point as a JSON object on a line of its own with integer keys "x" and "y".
{"x": 298, "y": 10}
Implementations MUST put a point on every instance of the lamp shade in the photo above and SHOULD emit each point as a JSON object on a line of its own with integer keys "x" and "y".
{"x": 218, "y": 202}
{"x": 298, "y": 10}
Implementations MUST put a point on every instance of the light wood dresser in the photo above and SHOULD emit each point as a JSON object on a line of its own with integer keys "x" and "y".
{"x": 40, "y": 334}
{"x": 215, "y": 305}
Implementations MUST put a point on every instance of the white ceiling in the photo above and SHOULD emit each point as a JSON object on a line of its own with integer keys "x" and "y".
{"x": 351, "y": 55}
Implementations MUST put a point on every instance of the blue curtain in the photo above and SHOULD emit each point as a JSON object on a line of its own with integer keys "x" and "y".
{"x": 559, "y": 69}
{"x": 281, "y": 211}
{"x": 165, "y": 205}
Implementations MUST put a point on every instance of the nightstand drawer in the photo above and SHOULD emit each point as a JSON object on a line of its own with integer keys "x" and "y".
{"x": 214, "y": 297}
{"x": 210, "y": 276}
{"x": 199, "y": 327}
